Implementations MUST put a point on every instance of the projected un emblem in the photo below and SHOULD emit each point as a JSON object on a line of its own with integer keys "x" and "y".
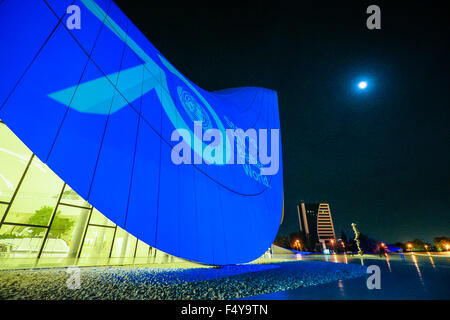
{"x": 194, "y": 110}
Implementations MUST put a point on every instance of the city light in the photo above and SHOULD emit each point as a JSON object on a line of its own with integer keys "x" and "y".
{"x": 297, "y": 244}
{"x": 332, "y": 243}
{"x": 409, "y": 245}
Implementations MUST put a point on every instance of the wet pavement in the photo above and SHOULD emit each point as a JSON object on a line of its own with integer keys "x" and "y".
{"x": 408, "y": 276}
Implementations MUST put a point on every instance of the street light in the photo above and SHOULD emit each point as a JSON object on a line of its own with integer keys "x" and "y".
{"x": 447, "y": 246}
{"x": 332, "y": 243}
{"x": 297, "y": 244}
{"x": 409, "y": 245}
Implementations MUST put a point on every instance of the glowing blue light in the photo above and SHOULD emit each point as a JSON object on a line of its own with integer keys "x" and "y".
{"x": 362, "y": 85}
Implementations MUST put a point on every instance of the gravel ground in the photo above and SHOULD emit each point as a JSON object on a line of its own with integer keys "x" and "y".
{"x": 229, "y": 282}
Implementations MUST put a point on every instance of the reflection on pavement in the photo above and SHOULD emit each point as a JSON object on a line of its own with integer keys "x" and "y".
{"x": 403, "y": 276}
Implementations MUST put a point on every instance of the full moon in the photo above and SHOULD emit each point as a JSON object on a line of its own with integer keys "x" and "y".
{"x": 362, "y": 85}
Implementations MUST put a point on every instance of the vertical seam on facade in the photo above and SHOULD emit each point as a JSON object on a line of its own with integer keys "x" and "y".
{"x": 112, "y": 243}
{"x": 135, "y": 149}
{"x": 52, "y": 217}
{"x": 17, "y": 190}
{"x": 159, "y": 172}
{"x": 107, "y": 118}
{"x": 78, "y": 84}
{"x": 85, "y": 232}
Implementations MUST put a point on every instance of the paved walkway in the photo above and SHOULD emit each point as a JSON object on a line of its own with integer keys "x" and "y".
{"x": 402, "y": 277}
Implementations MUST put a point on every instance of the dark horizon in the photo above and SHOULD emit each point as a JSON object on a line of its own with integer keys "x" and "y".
{"x": 379, "y": 157}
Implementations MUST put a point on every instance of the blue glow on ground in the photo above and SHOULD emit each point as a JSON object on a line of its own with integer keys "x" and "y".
{"x": 177, "y": 275}
{"x": 142, "y": 283}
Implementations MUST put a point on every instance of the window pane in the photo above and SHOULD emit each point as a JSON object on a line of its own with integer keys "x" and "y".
{"x": 2, "y": 210}
{"x": 124, "y": 244}
{"x": 142, "y": 249}
{"x": 14, "y": 156}
{"x": 97, "y": 242}
{"x": 66, "y": 232}
{"x": 37, "y": 196}
{"x": 98, "y": 218}
{"x": 20, "y": 242}
{"x": 71, "y": 197}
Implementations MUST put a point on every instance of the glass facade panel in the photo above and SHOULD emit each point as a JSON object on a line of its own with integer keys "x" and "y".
{"x": 142, "y": 249}
{"x": 69, "y": 196}
{"x": 3, "y": 207}
{"x": 66, "y": 232}
{"x": 37, "y": 196}
{"x": 97, "y": 243}
{"x": 20, "y": 241}
{"x": 99, "y": 219}
{"x": 14, "y": 157}
{"x": 76, "y": 231}
{"x": 124, "y": 244}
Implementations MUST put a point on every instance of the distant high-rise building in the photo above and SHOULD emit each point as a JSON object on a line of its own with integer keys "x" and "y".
{"x": 316, "y": 224}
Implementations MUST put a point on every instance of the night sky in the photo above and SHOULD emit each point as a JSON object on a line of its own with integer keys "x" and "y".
{"x": 380, "y": 157}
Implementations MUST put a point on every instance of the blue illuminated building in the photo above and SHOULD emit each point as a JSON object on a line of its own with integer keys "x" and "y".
{"x": 98, "y": 106}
